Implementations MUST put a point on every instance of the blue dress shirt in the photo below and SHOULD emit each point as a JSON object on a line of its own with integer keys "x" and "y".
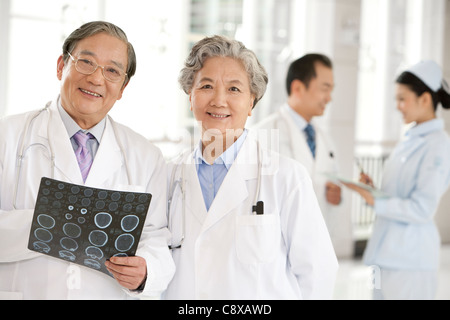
{"x": 211, "y": 176}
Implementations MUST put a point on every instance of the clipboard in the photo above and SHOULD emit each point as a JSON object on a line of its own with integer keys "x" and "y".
{"x": 85, "y": 225}
{"x": 375, "y": 192}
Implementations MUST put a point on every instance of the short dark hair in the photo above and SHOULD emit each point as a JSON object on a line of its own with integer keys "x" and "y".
{"x": 304, "y": 69}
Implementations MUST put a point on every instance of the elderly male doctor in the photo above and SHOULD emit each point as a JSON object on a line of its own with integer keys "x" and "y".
{"x": 95, "y": 67}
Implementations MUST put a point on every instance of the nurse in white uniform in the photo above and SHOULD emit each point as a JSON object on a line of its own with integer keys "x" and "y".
{"x": 245, "y": 221}
{"x": 94, "y": 69}
{"x": 405, "y": 242}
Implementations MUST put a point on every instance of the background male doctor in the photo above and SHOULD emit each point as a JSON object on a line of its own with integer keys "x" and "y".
{"x": 95, "y": 67}
{"x": 309, "y": 84}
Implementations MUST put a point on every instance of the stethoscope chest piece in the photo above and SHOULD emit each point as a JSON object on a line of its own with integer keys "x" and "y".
{"x": 258, "y": 208}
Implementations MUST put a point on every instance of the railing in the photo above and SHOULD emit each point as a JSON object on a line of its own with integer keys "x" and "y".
{"x": 363, "y": 215}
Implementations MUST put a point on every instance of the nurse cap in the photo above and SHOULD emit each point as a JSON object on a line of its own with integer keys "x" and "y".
{"x": 429, "y": 72}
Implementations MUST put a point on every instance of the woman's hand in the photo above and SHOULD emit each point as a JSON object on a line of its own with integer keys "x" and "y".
{"x": 364, "y": 178}
{"x": 363, "y": 192}
{"x": 367, "y": 195}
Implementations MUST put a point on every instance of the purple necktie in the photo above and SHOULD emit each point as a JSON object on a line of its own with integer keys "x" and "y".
{"x": 84, "y": 156}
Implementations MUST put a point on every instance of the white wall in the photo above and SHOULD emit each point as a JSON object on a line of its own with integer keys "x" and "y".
{"x": 339, "y": 39}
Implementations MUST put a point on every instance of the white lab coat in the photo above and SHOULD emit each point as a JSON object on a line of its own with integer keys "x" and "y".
{"x": 30, "y": 275}
{"x": 231, "y": 253}
{"x": 293, "y": 144}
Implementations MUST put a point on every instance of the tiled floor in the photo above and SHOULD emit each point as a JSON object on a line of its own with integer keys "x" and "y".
{"x": 354, "y": 279}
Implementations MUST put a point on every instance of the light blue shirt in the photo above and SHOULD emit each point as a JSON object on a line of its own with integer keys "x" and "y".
{"x": 212, "y": 176}
{"x": 299, "y": 121}
{"x": 72, "y": 127}
{"x": 415, "y": 177}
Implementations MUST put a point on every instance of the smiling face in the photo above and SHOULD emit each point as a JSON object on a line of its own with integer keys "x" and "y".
{"x": 220, "y": 97}
{"x": 311, "y": 101}
{"x": 414, "y": 108}
{"x": 88, "y": 98}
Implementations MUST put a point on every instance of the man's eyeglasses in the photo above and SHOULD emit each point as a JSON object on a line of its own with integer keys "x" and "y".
{"x": 86, "y": 66}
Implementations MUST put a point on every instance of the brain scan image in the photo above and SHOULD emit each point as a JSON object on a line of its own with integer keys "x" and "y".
{"x": 102, "y": 195}
{"x": 115, "y": 196}
{"x": 45, "y": 221}
{"x": 72, "y": 230}
{"x": 92, "y": 264}
{"x": 127, "y": 207}
{"x": 69, "y": 244}
{"x": 41, "y": 247}
{"x": 75, "y": 190}
{"x": 113, "y": 206}
{"x": 124, "y": 242}
{"x": 85, "y": 225}
{"x": 130, "y": 197}
{"x": 103, "y": 220}
{"x": 121, "y": 255}
{"x": 98, "y": 238}
{"x": 100, "y": 204}
{"x": 94, "y": 253}
{"x": 43, "y": 235}
{"x": 88, "y": 192}
{"x": 129, "y": 223}
{"x": 86, "y": 202}
{"x": 67, "y": 255}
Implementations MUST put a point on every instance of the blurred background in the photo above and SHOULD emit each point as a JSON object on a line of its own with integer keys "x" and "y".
{"x": 369, "y": 41}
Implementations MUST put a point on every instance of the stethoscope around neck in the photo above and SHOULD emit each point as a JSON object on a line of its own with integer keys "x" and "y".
{"x": 257, "y": 208}
{"x": 23, "y": 149}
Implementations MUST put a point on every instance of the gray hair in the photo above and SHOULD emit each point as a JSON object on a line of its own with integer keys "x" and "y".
{"x": 220, "y": 46}
{"x": 92, "y": 28}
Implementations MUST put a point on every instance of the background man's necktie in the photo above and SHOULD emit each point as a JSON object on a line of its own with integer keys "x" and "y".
{"x": 84, "y": 156}
{"x": 311, "y": 138}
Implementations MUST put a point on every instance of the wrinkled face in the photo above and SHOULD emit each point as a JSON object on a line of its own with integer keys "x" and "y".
{"x": 410, "y": 105}
{"x": 88, "y": 98}
{"x": 220, "y": 97}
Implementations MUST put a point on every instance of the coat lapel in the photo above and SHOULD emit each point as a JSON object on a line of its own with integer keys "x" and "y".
{"x": 194, "y": 197}
{"x": 301, "y": 151}
{"x": 66, "y": 164}
{"x": 234, "y": 191}
{"x": 109, "y": 158}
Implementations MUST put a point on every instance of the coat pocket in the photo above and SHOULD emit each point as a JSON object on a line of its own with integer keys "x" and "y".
{"x": 257, "y": 238}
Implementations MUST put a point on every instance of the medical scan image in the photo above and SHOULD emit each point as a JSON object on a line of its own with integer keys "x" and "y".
{"x": 86, "y": 225}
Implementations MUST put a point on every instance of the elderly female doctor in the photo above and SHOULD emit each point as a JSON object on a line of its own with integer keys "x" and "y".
{"x": 405, "y": 241}
{"x": 224, "y": 246}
